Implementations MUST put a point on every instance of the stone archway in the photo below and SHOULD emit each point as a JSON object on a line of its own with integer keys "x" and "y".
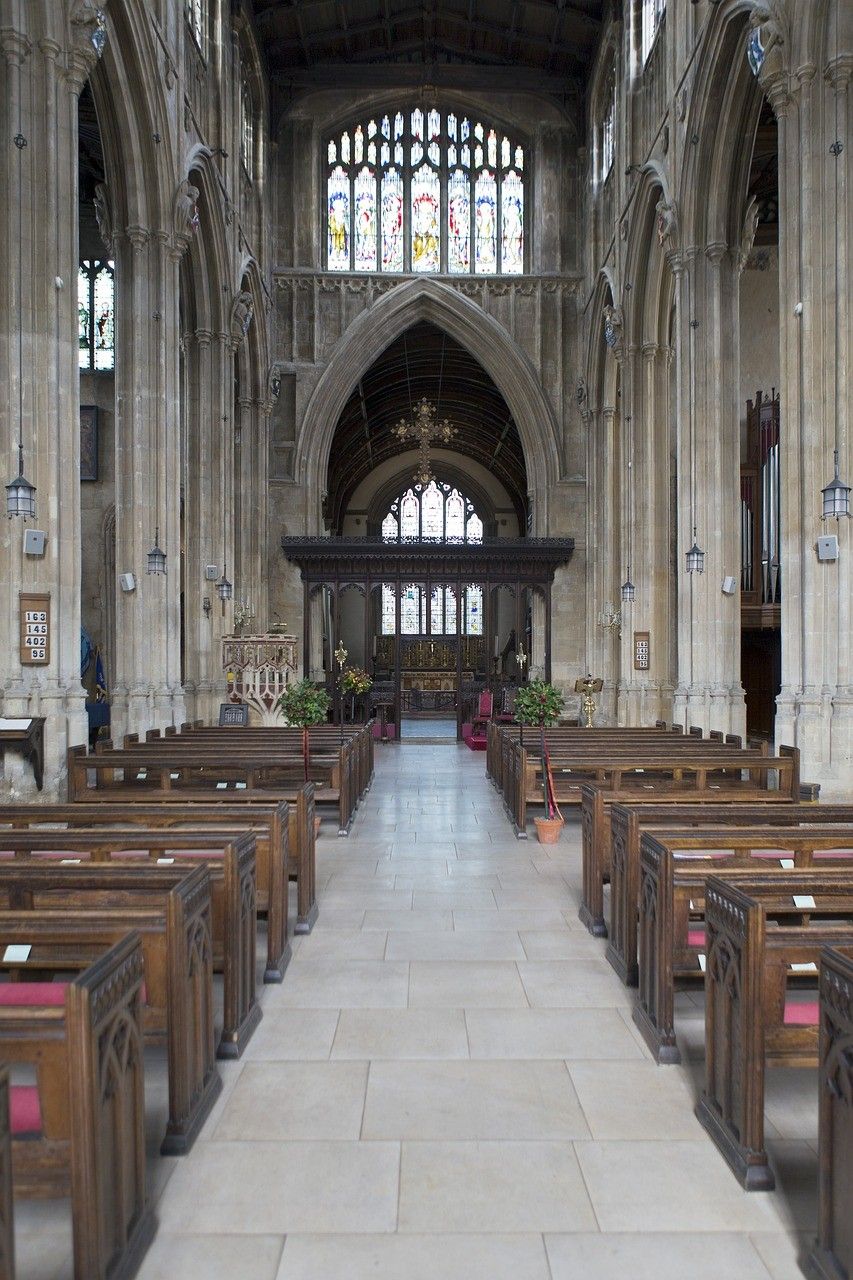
{"x": 486, "y": 340}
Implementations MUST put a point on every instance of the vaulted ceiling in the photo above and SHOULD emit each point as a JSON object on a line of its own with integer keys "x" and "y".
{"x": 509, "y": 44}
{"x": 424, "y": 362}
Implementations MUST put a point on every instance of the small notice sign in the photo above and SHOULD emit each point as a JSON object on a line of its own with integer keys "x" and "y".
{"x": 233, "y": 715}
{"x": 804, "y": 901}
{"x": 17, "y": 953}
{"x": 34, "y": 630}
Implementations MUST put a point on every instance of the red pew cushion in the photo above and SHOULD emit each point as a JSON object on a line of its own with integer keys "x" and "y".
{"x": 15, "y": 993}
{"x": 24, "y": 1110}
{"x": 696, "y": 936}
{"x": 805, "y": 1014}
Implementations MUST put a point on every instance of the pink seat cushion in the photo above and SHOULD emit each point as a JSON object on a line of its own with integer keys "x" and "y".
{"x": 696, "y": 936}
{"x": 805, "y": 1014}
{"x": 192, "y": 853}
{"x": 832, "y": 853}
{"x": 772, "y": 853}
{"x": 53, "y": 855}
{"x": 24, "y": 1110}
{"x": 13, "y": 993}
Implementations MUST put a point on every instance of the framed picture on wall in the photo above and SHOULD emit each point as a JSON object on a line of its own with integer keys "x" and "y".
{"x": 88, "y": 442}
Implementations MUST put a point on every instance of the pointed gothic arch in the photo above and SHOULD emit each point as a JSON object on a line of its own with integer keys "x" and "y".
{"x": 486, "y": 340}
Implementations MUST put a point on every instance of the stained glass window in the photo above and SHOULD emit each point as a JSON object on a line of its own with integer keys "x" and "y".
{"x": 432, "y": 613}
{"x": 485, "y": 223}
{"x": 96, "y": 315}
{"x": 512, "y": 224}
{"x": 365, "y": 220}
{"x": 426, "y": 214}
{"x": 607, "y": 135}
{"x": 338, "y": 220}
{"x": 459, "y": 223}
{"x": 473, "y": 611}
{"x": 392, "y": 221}
{"x": 404, "y": 195}
{"x": 434, "y": 512}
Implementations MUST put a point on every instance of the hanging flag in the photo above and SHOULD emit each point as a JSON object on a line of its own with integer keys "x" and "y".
{"x": 100, "y": 679}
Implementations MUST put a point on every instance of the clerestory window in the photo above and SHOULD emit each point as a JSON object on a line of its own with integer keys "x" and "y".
{"x": 651, "y": 16}
{"x": 425, "y": 191}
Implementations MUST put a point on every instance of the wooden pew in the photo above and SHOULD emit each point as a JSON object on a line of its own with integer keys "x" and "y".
{"x": 497, "y": 734}
{"x": 673, "y": 872}
{"x": 649, "y": 787}
{"x": 269, "y": 824}
{"x": 159, "y": 772}
{"x": 246, "y": 810}
{"x": 229, "y": 858}
{"x": 832, "y": 1255}
{"x": 178, "y": 1010}
{"x": 681, "y": 766}
{"x": 91, "y": 1140}
{"x": 749, "y": 1022}
{"x": 633, "y": 817}
{"x": 7, "y": 1221}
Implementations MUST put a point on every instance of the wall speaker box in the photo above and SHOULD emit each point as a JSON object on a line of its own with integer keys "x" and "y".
{"x": 729, "y": 585}
{"x": 127, "y": 582}
{"x": 211, "y": 572}
{"x": 34, "y": 542}
{"x": 827, "y": 548}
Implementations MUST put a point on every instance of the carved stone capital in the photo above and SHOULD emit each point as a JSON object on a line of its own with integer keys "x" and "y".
{"x": 88, "y": 25}
{"x": 15, "y": 46}
{"x": 137, "y": 235}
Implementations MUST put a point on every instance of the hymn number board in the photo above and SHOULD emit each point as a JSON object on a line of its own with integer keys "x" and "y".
{"x": 35, "y": 630}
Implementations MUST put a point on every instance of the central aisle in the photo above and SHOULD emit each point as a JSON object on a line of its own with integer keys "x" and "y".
{"x": 448, "y": 1082}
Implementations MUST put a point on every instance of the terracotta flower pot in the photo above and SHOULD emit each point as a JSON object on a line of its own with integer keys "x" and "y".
{"x": 548, "y": 829}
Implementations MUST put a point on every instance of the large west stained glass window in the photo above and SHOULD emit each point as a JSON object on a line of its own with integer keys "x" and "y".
{"x": 425, "y": 191}
{"x": 96, "y": 316}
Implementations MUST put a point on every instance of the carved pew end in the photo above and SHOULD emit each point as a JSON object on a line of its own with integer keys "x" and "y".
{"x": 754, "y": 1172}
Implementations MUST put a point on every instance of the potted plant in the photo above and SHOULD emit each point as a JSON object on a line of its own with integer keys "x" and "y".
{"x": 355, "y": 681}
{"x": 303, "y": 704}
{"x": 539, "y": 703}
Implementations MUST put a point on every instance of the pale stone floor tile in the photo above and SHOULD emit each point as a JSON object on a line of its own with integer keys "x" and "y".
{"x": 293, "y": 1034}
{"x": 455, "y": 898}
{"x": 492, "y": 1186}
{"x": 422, "y": 1034}
{"x": 429, "y": 921}
{"x": 635, "y": 1100}
{"x": 342, "y": 944}
{"x": 341, "y": 984}
{"x": 785, "y": 1255}
{"x": 461, "y": 1257}
{"x": 263, "y": 1188}
{"x": 454, "y": 946}
{"x": 459, "y": 985}
{"x": 653, "y": 1257}
{"x": 512, "y": 919}
{"x": 220, "y": 1258}
{"x": 676, "y": 1184}
{"x": 277, "y": 1101}
{"x": 471, "y": 1100}
{"x": 567, "y": 1034}
{"x": 367, "y": 898}
{"x": 572, "y": 984}
{"x": 559, "y": 944}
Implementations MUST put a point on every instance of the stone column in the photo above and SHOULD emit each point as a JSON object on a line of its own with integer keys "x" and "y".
{"x": 44, "y": 68}
{"x": 709, "y": 690}
{"x": 147, "y": 691}
{"x": 815, "y": 705}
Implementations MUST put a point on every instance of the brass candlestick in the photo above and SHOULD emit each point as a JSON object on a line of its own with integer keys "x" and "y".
{"x": 587, "y": 687}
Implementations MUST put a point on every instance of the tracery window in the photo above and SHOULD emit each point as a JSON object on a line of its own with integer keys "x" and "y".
{"x": 247, "y": 124}
{"x": 96, "y": 315}
{"x": 436, "y": 512}
{"x": 607, "y": 132}
{"x": 651, "y": 17}
{"x": 196, "y": 11}
{"x": 432, "y": 613}
{"x": 425, "y": 191}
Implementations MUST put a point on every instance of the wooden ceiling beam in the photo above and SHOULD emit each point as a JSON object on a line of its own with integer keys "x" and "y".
{"x": 492, "y": 77}
{"x": 573, "y": 12}
{"x": 370, "y": 27}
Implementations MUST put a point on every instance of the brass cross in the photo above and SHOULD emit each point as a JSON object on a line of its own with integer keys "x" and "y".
{"x": 424, "y": 429}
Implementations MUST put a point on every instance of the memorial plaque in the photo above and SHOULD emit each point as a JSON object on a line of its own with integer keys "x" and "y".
{"x": 35, "y": 630}
{"x": 233, "y": 715}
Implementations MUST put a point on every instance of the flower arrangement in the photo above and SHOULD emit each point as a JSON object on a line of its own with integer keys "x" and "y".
{"x": 539, "y": 703}
{"x": 355, "y": 680}
{"x": 303, "y": 704}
